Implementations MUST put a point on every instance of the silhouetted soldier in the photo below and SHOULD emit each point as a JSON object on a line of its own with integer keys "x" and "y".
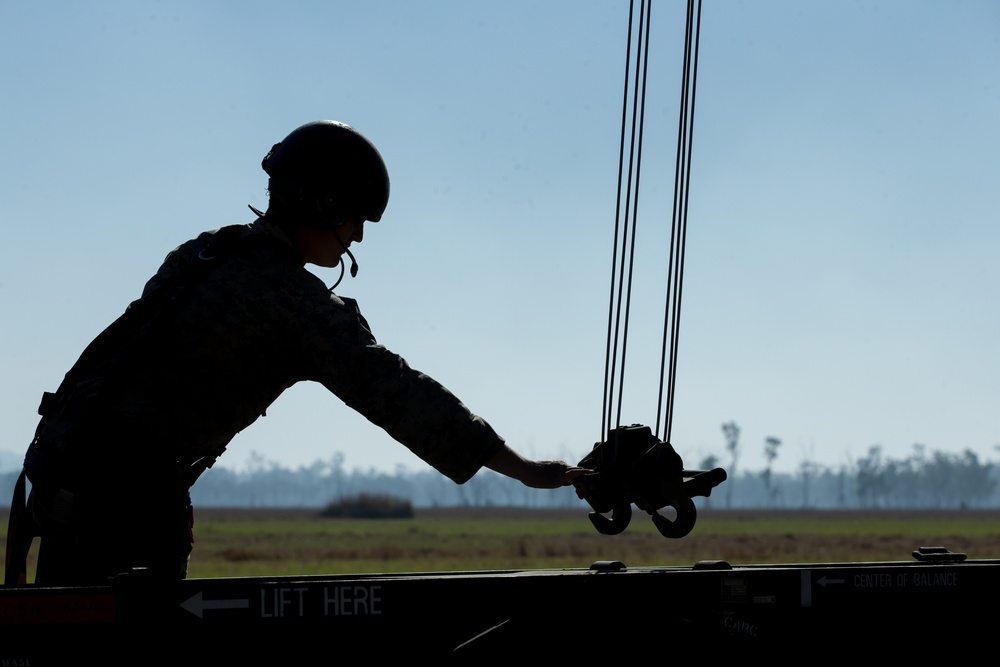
{"x": 230, "y": 321}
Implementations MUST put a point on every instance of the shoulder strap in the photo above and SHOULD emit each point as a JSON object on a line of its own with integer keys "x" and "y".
{"x": 19, "y": 535}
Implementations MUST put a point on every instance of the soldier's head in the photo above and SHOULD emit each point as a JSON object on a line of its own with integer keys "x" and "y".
{"x": 325, "y": 178}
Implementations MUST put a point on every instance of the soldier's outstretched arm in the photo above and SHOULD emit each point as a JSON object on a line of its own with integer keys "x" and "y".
{"x": 536, "y": 474}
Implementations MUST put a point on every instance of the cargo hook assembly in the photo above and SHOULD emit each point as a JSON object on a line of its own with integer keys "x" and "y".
{"x": 631, "y": 464}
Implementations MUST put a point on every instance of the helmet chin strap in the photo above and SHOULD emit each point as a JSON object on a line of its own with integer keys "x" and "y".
{"x": 334, "y": 286}
{"x": 354, "y": 265}
{"x": 334, "y": 226}
{"x": 354, "y": 262}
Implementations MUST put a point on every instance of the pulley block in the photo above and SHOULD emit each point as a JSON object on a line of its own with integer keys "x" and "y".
{"x": 634, "y": 467}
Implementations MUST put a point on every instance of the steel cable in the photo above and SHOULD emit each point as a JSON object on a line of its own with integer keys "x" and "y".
{"x": 622, "y": 270}
{"x": 617, "y": 321}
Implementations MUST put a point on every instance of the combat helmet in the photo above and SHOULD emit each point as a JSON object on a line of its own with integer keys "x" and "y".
{"x": 326, "y": 172}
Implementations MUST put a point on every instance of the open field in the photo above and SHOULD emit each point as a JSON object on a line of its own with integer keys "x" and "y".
{"x": 287, "y": 542}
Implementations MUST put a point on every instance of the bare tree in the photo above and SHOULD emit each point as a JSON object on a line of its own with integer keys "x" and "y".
{"x": 807, "y": 470}
{"x": 771, "y": 445}
{"x": 732, "y": 434}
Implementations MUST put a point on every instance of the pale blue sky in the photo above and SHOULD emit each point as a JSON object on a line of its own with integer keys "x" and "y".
{"x": 841, "y": 273}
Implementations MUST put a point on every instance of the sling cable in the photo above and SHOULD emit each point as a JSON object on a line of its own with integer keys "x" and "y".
{"x": 636, "y": 464}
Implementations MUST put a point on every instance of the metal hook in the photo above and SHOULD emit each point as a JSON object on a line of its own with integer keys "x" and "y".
{"x": 620, "y": 518}
{"x": 687, "y": 515}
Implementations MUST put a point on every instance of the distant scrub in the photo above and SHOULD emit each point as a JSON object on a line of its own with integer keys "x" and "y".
{"x": 369, "y": 506}
{"x": 926, "y": 478}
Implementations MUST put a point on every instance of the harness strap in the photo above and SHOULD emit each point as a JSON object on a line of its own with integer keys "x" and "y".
{"x": 20, "y": 531}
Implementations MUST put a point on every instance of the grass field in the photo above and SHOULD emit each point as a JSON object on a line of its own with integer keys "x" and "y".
{"x": 291, "y": 542}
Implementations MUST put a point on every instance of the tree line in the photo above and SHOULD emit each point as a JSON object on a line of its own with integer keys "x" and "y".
{"x": 923, "y": 479}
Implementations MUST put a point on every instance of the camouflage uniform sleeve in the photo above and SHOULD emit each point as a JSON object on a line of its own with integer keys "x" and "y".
{"x": 410, "y": 406}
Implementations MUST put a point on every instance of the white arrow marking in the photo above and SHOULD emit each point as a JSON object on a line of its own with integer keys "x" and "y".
{"x": 196, "y": 604}
{"x": 823, "y": 581}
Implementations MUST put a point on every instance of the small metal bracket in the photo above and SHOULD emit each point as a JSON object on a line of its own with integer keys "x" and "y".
{"x": 938, "y": 555}
{"x": 711, "y": 565}
{"x": 608, "y": 566}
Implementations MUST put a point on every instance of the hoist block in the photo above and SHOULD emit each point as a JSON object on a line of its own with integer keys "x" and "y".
{"x": 634, "y": 466}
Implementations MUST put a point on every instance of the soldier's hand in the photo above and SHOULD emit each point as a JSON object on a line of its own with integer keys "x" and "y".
{"x": 552, "y": 474}
{"x": 536, "y": 474}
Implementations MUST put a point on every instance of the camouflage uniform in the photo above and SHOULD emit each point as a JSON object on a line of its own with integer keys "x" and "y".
{"x": 207, "y": 365}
